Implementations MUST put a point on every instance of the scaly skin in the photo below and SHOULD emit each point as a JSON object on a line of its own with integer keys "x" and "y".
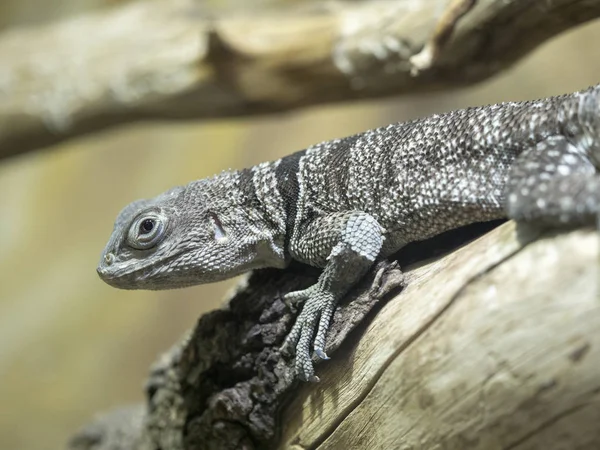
{"x": 342, "y": 204}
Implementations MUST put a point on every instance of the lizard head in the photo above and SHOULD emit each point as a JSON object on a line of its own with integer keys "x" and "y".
{"x": 194, "y": 234}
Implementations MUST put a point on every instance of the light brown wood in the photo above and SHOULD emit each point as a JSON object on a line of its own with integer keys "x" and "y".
{"x": 495, "y": 346}
{"x": 169, "y": 59}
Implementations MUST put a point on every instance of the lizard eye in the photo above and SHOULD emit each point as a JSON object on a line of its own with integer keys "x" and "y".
{"x": 146, "y": 231}
{"x": 147, "y": 226}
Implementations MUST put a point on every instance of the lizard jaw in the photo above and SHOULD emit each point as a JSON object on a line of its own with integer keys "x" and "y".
{"x": 131, "y": 275}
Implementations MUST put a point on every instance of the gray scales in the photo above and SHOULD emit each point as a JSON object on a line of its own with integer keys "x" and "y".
{"x": 341, "y": 205}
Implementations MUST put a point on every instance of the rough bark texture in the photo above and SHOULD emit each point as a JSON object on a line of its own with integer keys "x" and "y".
{"x": 170, "y": 59}
{"x": 222, "y": 386}
{"x": 494, "y": 345}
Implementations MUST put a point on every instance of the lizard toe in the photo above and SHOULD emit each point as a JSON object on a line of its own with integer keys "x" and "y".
{"x": 291, "y": 298}
{"x": 304, "y": 364}
{"x": 327, "y": 307}
{"x": 315, "y": 316}
{"x": 289, "y": 344}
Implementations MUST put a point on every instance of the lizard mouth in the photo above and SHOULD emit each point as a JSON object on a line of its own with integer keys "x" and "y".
{"x": 135, "y": 274}
{"x": 116, "y": 278}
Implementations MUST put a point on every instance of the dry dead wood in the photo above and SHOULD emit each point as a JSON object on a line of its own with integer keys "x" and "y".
{"x": 493, "y": 346}
{"x": 169, "y": 59}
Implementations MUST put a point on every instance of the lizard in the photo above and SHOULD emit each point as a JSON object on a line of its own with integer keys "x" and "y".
{"x": 343, "y": 204}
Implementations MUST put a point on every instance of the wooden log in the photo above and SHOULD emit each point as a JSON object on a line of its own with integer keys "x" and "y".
{"x": 495, "y": 345}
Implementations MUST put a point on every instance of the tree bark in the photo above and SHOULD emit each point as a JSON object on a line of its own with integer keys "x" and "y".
{"x": 169, "y": 59}
{"x": 492, "y": 346}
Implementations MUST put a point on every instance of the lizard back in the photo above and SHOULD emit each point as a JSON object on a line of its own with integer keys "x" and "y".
{"x": 422, "y": 177}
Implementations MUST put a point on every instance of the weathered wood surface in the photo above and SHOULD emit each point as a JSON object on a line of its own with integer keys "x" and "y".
{"x": 171, "y": 59}
{"x": 496, "y": 346}
{"x": 493, "y": 346}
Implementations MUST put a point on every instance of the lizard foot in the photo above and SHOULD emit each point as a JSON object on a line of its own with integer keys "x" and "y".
{"x": 319, "y": 306}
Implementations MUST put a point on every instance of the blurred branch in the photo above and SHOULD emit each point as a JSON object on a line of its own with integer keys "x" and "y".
{"x": 166, "y": 59}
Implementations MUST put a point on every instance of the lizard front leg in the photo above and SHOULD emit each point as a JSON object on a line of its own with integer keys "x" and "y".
{"x": 346, "y": 244}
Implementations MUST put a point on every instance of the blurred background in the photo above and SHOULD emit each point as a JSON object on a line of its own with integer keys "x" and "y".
{"x": 71, "y": 346}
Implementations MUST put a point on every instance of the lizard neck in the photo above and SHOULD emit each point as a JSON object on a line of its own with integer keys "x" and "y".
{"x": 267, "y": 212}
{"x": 272, "y": 190}
{"x": 289, "y": 189}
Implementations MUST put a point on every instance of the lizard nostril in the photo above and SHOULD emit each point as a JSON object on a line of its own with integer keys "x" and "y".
{"x": 109, "y": 258}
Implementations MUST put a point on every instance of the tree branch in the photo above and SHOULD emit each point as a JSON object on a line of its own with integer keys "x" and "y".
{"x": 170, "y": 60}
{"x": 494, "y": 345}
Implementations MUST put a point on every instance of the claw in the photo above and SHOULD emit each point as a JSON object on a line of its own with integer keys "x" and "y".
{"x": 321, "y": 354}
